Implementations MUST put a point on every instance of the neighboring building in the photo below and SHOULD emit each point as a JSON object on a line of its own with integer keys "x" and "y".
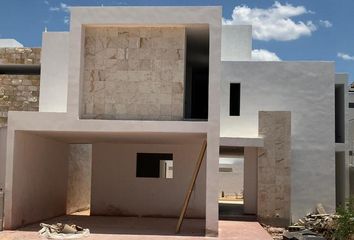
{"x": 19, "y": 87}
{"x": 143, "y": 88}
{"x": 10, "y": 43}
{"x": 351, "y": 137}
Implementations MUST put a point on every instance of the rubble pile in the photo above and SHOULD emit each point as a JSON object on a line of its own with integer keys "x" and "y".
{"x": 318, "y": 225}
{"x": 319, "y": 222}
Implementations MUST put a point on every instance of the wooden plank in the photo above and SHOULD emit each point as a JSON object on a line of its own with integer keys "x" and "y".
{"x": 191, "y": 186}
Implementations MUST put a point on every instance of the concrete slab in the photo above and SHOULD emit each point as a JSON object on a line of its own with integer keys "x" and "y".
{"x": 130, "y": 228}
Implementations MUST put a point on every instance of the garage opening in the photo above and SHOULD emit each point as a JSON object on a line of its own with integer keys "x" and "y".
{"x": 85, "y": 177}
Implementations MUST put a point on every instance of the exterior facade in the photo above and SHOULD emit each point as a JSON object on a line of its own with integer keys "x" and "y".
{"x": 138, "y": 84}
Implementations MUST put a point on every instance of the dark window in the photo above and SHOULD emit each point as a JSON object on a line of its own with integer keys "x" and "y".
{"x": 235, "y": 99}
{"x": 154, "y": 165}
{"x": 351, "y": 105}
{"x": 223, "y": 169}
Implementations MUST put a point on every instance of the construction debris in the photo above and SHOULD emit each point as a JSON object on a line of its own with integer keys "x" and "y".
{"x": 319, "y": 222}
{"x": 63, "y": 231}
{"x": 315, "y": 226}
{"x": 275, "y": 232}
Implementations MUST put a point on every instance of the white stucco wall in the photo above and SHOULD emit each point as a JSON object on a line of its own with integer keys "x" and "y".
{"x": 54, "y": 72}
{"x": 117, "y": 191}
{"x": 236, "y": 43}
{"x": 307, "y": 90}
{"x": 39, "y": 181}
{"x": 231, "y": 183}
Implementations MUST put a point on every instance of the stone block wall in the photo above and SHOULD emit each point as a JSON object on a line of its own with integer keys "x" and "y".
{"x": 274, "y": 168}
{"x": 134, "y": 73}
{"x": 20, "y": 55}
{"x": 18, "y": 93}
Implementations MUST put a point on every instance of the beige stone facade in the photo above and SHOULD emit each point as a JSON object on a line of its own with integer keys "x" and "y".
{"x": 274, "y": 168}
{"x": 134, "y": 73}
{"x": 18, "y": 93}
{"x": 20, "y": 55}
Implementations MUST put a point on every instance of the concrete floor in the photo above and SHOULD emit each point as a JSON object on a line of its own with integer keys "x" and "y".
{"x": 130, "y": 228}
{"x": 233, "y": 210}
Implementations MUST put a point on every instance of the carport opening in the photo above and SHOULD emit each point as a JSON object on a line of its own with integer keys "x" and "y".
{"x": 83, "y": 183}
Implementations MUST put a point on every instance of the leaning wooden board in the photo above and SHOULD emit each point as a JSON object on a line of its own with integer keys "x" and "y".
{"x": 191, "y": 186}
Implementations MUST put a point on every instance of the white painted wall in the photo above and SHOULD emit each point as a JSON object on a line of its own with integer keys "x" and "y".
{"x": 236, "y": 43}
{"x": 307, "y": 90}
{"x": 3, "y": 134}
{"x": 231, "y": 183}
{"x": 39, "y": 180}
{"x": 54, "y": 72}
{"x": 117, "y": 191}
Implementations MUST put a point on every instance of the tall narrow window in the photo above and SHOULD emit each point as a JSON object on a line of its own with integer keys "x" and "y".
{"x": 235, "y": 99}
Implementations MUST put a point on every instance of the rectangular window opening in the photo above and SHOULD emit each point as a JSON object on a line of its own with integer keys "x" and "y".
{"x": 235, "y": 99}
{"x": 154, "y": 165}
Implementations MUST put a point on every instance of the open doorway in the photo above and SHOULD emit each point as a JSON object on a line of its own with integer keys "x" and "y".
{"x": 231, "y": 175}
{"x": 237, "y": 177}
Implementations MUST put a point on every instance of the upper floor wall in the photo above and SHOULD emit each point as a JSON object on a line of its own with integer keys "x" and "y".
{"x": 236, "y": 43}
{"x": 136, "y": 63}
{"x": 134, "y": 72}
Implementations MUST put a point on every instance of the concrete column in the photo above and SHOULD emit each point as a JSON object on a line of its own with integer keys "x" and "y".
{"x": 250, "y": 180}
{"x": 273, "y": 205}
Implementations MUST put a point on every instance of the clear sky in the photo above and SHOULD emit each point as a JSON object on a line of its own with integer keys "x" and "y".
{"x": 282, "y": 30}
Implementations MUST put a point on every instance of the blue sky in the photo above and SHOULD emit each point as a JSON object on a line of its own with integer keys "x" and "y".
{"x": 284, "y": 30}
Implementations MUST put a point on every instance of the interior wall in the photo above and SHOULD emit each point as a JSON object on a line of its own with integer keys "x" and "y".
{"x": 3, "y": 134}
{"x": 231, "y": 183}
{"x": 40, "y": 170}
{"x": 79, "y": 178}
{"x": 117, "y": 191}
